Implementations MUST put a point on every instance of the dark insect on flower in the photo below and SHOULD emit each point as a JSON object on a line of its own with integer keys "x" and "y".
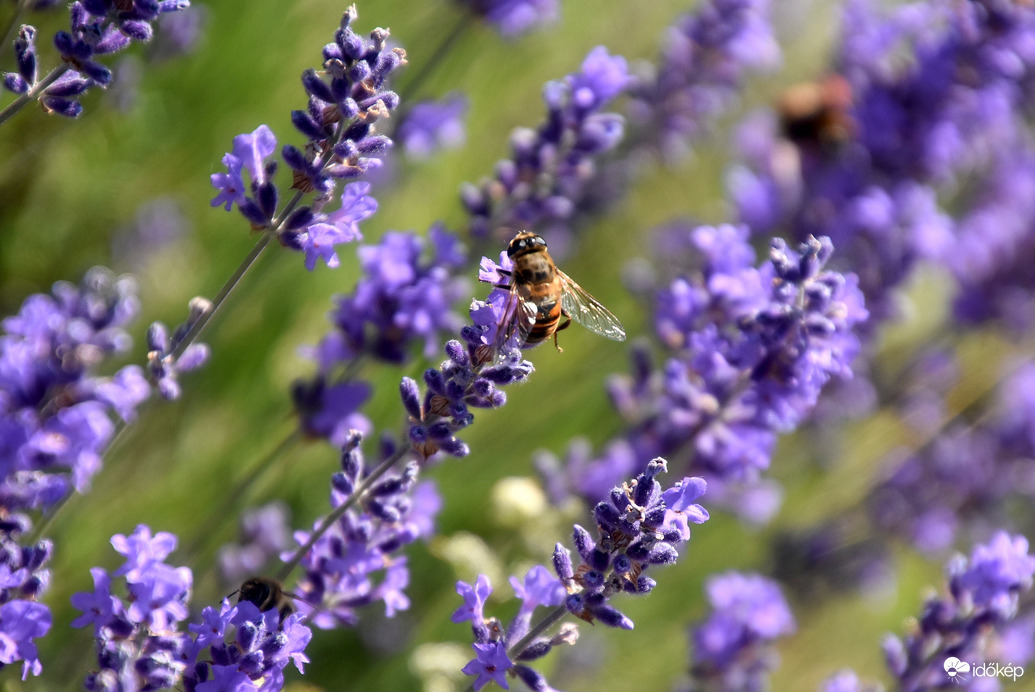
{"x": 540, "y": 294}
{"x": 267, "y": 594}
{"x": 817, "y": 113}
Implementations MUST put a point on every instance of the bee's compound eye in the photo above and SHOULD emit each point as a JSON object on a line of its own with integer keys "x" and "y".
{"x": 538, "y": 240}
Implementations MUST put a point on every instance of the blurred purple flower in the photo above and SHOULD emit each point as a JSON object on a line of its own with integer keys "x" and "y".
{"x": 55, "y": 412}
{"x": 700, "y": 71}
{"x": 515, "y": 17}
{"x": 432, "y": 126}
{"x": 733, "y": 647}
{"x": 551, "y": 172}
{"x": 264, "y": 533}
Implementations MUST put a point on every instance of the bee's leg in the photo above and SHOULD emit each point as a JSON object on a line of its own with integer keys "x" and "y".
{"x": 562, "y": 325}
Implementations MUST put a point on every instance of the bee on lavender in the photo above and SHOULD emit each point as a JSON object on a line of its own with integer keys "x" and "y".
{"x": 541, "y": 295}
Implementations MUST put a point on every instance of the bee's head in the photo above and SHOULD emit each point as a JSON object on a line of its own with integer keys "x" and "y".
{"x": 525, "y": 242}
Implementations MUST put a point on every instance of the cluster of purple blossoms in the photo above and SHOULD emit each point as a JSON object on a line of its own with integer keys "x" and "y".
{"x": 994, "y": 239}
{"x": 638, "y": 527}
{"x": 55, "y": 411}
{"x": 139, "y": 645}
{"x": 547, "y": 179}
{"x": 933, "y": 96}
{"x": 514, "y": 17}
{"x": 404, "y": 296}
{"x": 751, "y": 348}
{"x": 139, "y": 642}
{"x": 733, "y": 647}
{"x": 344, "y": 558}
{"x": 99, "y": 28}
{"x": 340, "y": 124}
{"x": 472, "y": 376}
{"x": 972, "y": 476}
{"x": 433, "y": 126}
{"x": 248, "y": 650}
{"x": 25, "y": 578}
{"x": 956, "y": 628}
{"x": 700, "y": 70}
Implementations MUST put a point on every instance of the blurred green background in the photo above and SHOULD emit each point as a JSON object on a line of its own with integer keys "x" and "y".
{"x": 69, "y": 189}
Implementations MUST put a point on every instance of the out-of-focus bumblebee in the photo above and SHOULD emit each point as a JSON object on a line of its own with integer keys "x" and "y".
{"x": 817, "y": 113}
{"x": 267, "y": 594}
{"x": 541, "y": 294}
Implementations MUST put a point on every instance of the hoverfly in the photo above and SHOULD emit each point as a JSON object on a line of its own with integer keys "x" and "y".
{"x": 541, "y": 294}
{"x": 267, "y": 594}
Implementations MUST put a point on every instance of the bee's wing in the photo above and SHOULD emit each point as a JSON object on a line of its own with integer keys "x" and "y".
{"x": 516, "y": 322}
{"x": 587, "y": 311}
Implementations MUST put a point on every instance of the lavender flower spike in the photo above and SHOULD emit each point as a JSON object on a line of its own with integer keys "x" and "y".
{"x": 549, "y": 175}
{"x": 98, "y": 28}
{"x": 355, "y": 562}
{"x": 981, "y": 598}
{"x": 56, "y": 414}
{"x": 139, "y": 645}
{"x": 342, "y": 144}
{"x": 732, "y": 648}
{"x": 701, "y": 68}
{"x": 637, "y": 528}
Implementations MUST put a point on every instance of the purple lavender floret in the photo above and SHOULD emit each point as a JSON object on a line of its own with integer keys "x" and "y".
{"x": 98, "y": 28}
{"x": 638, "y": 528}
{"x": 139, "y": 645}
{"x": 432, "y": 126}
{"x": 246, "y": 649}
{"x": 513, "y": 18}
{"x": 702, "y": 66}
{"x": 548, "y": 177}
{"x": 165, "y": 361}
{"x": 751, "y": 349}
{"x": 340, "y": 125}
{"x": 733, "y": 647}
{"x": 55, "y": 412}
{"x": 343, "y": 566}
{"x": 24, "y": 577}
{"x": 981, "y": 599}
{"x": 25, "y": 56}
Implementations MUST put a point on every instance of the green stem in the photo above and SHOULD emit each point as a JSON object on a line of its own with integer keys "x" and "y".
{"x": 31, "y": 95}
